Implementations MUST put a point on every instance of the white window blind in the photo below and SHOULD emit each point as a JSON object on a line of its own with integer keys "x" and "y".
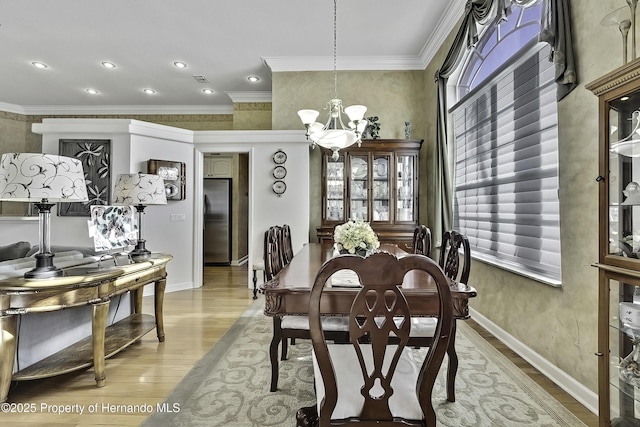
{"x": 506, "y": 168}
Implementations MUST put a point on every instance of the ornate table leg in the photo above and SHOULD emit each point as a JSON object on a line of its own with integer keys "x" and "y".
{"x": 98, "y": 327}
{"x": 136, "y": 296}
{"x": 273, "y": 351}
{"x": 8, "y": 330}
{"x": 159, "y": 301}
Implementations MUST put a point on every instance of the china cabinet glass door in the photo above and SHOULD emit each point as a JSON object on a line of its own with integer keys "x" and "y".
{"x": 405, "y": 190}
{"x": 624, "y": 178}
{"x": 624, "y": 340}
{"x": 359, "y": 187}
{"x": 335, "y": 189}
{"x": 381, "y": 188}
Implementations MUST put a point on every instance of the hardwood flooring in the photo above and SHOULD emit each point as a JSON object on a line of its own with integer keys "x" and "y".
{"x": 147, "y": 372}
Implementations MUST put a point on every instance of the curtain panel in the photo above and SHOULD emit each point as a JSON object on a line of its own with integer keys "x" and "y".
{"x": 556, "y": 31}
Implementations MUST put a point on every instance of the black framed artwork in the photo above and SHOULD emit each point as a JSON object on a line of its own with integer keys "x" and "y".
{"x": 173, "y": 174}
{"x": 95, "y": 155}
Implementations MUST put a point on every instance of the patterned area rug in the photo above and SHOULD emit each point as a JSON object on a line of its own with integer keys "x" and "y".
{"x": 230, "y": 385}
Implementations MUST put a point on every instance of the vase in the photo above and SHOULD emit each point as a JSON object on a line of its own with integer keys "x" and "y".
{"x": 359, "y": 251}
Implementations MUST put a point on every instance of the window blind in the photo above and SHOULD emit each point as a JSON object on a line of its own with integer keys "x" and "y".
{"x": 506, "y": 168}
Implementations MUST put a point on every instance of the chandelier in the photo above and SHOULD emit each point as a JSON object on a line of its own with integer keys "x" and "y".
{"x": 334, "y": 135}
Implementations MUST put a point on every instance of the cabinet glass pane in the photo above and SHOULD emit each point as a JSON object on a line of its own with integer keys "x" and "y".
{"x": 624, "y": 346}
{"x": 624, "y": 178}
{"x": 335, "y": 189}
{"x": 405, "y": 210}
{"x": 381, "y": 188}
{"x": 359, "y": 187}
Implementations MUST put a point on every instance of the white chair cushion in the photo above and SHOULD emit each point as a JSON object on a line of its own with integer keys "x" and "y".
{"x": 258, "y": 265}
{"x": 330, "y": 323}
{"x": 420, "y": 326}
{"x": 423, "y": 326}
{"x": 403, "y": 403}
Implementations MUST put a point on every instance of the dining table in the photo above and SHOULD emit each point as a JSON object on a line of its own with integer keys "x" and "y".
{"x": 287, "y": 294}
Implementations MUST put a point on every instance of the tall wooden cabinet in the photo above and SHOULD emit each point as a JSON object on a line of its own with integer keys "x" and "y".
{"x": 619, "y": 246}
{"x": 376, "y": 182}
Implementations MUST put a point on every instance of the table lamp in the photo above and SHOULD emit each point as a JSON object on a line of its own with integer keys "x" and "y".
{"x": 44, "y": 179}
{"x": 139, "y": 190}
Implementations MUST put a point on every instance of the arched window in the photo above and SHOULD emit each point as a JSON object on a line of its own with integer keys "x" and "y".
{"x": 506, "y": 139}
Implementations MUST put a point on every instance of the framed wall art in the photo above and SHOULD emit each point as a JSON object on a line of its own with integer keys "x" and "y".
{"x": 173, "y": 174}
{"x": 95, "y": 155}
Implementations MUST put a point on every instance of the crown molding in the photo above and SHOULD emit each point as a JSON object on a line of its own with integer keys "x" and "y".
{"x": 449, "y": 20}
{"x": 343, "y": 63}
{"x": 12, "y": 108}
{"x": 78, "y": 110}
{"x": 375, "y": 63}
{"x": 258, "y": 96}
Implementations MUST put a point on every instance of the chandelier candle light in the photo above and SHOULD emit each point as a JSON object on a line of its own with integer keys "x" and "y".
{"x": 139, "y": 190}
{"x": 334, "y": 135}
{"x": 44, "y": 179}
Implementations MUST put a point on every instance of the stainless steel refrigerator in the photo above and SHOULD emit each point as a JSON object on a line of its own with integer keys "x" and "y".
{"x": 217, "y": 221}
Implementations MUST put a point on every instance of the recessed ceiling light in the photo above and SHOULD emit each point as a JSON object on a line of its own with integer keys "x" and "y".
{"x": 208, "y": 91}
{"x": 107, "y": 64}
{"x": 39, "y": 64}
{"x": 92, "y": 91}
{"x": 180, "y": 64}
{"x": 253, "y": 78}
{"x": 149, "y": 91}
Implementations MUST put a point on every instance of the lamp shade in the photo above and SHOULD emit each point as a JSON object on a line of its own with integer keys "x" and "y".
{"x": 139, "y": 189}
{"x": 34, "y": 177}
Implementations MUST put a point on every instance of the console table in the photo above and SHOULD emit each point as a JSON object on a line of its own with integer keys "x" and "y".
{"x": 89, "y": 284}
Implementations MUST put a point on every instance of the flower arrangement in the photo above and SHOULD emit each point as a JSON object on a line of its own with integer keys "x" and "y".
{"x": 355, "y": 237}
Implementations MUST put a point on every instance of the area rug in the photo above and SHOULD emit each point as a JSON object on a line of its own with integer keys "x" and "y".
{"x": 229, "y": 386}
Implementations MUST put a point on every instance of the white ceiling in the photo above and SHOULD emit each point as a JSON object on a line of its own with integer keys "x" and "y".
{"x": 225, "y": 41}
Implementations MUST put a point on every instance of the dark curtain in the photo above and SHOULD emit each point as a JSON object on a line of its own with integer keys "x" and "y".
{"x": 556, "y": 31}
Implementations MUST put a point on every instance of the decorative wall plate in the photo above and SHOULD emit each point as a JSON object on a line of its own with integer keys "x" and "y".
{"x": 279, "y": 187}
{"x": 279, "y": 172}
{"x": 279, "y": 157}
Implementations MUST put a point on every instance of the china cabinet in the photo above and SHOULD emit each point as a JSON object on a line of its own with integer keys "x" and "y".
{"x": 376, "y": 182}
{"x": 619, "y": 246}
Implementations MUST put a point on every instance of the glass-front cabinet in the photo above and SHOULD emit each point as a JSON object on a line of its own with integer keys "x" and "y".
{"x": 376, "y": 182}
{"x": 619, "y": 246}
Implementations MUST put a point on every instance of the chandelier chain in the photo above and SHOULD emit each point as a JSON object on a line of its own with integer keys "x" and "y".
{"x": 335, "y": 44}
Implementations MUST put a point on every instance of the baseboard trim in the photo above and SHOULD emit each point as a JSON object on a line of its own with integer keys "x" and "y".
{"x": 578, "y": 391}
{"x": 241, "y": 261}
{"x": 174, "y": 287}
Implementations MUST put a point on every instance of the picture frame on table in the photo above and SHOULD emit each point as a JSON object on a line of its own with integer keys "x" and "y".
{"x": 173, "y": 174}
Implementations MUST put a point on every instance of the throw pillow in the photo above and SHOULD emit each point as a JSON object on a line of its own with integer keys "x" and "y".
{"x": 14, "y": 250}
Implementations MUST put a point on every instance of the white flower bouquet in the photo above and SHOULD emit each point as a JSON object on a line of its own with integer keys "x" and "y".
{"x": 355, "y": 237}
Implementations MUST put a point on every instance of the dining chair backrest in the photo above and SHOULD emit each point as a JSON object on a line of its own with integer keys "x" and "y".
{"x": 272, "y": 255}
{"x": 379, "y": 316}
{"x": 422, "y": 240}
{"x": 286, "y": 245}
{"x": 455, "y": 268}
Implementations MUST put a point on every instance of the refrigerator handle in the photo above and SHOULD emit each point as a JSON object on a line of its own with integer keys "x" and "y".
{"x": 205, "y": 209}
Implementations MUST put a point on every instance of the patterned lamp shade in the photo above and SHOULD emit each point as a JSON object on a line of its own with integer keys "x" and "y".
{"x": 139, "y": 189}
{"x": 34, "y": 177}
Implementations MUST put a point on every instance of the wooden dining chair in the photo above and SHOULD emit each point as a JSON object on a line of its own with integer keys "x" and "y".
{"x": 373, "y": 380}
{"x": 422, "y": 240}
{"x": 272, "y": 252}
{"x": 286, "y": 244}
{"x": 423, "y": 329}
{"x": 287, "y": 328}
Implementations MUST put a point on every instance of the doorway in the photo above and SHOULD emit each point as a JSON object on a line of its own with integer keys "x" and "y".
{"x": 226, "y": 208}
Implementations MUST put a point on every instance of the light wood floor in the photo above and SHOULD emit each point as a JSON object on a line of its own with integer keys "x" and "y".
{"x": 147, "y": 372}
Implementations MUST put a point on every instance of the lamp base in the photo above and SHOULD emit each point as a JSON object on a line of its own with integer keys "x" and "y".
{"x": 44, "y": 268}
{"x": 140, "y": 253}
